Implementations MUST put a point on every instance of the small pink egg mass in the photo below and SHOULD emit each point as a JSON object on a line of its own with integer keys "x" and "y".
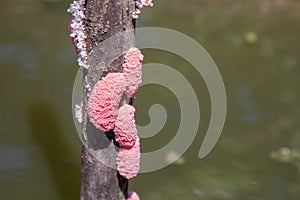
{"x": 128, "y": 160}
{"x": 133, "y": 196}
{"x": 125, "y": 128}
{"x": 132, "y": 69}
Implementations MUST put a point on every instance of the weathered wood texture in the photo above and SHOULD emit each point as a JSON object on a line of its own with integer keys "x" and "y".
{"x": 104, "y": 19}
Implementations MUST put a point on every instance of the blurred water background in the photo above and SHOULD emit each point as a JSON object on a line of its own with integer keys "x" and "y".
{"x": 255, "y": 44}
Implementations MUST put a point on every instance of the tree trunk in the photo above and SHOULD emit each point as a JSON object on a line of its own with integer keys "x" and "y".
{"x": 104, "y": 19}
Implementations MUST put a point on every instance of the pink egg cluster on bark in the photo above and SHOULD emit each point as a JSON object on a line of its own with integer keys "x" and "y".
{"x": 105, "y": 114}
{"x": 104, "y": 101}
{"x": 125, "y": 128}
{"x": 132, "y": 69}
{"x": 128, "y": 160}
{"x": 133, "y": 196}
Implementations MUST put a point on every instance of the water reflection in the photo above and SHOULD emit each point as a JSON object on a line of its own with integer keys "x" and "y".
{"x": 13, "y": 158}
{"x": 46, "y": 133}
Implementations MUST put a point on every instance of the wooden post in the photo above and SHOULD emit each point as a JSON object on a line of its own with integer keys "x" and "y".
{"x": 104, "y": 19}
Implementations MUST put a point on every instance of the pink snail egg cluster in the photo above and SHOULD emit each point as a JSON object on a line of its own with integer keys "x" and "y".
{"x": 105, "y": 114}
{"x": 104, "y": 101}
{"x": 77, "y": 31}
{"x": 125, "y": 129}
{"x": 128, "y": 160}
{"x": 132, "y": 69}
{"x": 133, "y": 196}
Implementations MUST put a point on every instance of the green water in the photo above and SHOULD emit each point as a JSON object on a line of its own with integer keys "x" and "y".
{"x": 256, "y": 47}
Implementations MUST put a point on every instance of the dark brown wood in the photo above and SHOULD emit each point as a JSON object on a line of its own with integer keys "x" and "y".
{"x": 104, "y": 19}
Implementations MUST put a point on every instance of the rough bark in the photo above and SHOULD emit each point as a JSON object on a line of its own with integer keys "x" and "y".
{"x": 104, "y": 19}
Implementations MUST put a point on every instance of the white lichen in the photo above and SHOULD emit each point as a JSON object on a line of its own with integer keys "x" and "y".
{"x": 78, "y": 112}
{"x": 87, "y": 84}
{"x": 77, "y": 30}
{"x": 140, "y": 4}
{"x": 144, "y": 3}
